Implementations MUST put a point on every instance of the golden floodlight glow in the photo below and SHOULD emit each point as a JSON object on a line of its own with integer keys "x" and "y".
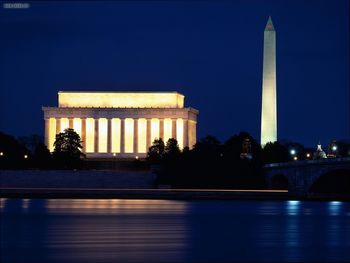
{"x": 167, "y": 129}
{"x": 116, "y": 135}
{"x": 142, "y": 140}
{"x": 129, "y": 135}
{"x": 121, "y": 99}
{"x": 90, "y": 135}
{"x": 154, "y": 129}
{"x": 180, "y": 133}
{"x": 52, "y": 133}
{"x": 64, "y": 124}
{"x": 77, "y": 126}
{"x": 102, "y": 136}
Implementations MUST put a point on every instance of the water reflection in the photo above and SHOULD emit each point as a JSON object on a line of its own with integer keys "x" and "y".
{"x": 58, "y": 230}
{"x": 293, "y": 207}
{"x": 334, "y": 208}
{"x": 115, "y": 206}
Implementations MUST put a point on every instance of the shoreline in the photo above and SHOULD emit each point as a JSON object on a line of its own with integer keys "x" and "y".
{"x": 166, "y": 194}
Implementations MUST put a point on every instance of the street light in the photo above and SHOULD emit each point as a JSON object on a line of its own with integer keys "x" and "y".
{"x": 295, "y": 158}
{"x": 25, "y": 156}
{"x": 1, "y": 154}
{"x": 334, "y": 148}
{"x": 308, "y": 155}
{"x": 292, "y": 152}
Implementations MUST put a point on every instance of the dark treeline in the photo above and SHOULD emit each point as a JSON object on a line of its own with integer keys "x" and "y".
{"x": 235, "y": 163}
{"x": 209, "y": 164}
{"x": 31, "y": 153}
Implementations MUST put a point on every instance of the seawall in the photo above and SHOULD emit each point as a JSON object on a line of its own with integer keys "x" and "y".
{"x": 76, "y": 179}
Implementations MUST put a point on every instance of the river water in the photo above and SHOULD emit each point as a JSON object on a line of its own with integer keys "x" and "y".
{"x": 78, "y": 230}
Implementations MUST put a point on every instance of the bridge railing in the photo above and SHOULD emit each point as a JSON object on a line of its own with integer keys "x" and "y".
{"x": 309, "y": 162}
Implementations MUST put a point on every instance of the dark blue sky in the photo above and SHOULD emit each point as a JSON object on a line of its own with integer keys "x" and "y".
{"x": 211, "y": 51}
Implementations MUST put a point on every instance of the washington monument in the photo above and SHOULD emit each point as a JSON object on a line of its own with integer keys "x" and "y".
{"x": 269, "y": 106}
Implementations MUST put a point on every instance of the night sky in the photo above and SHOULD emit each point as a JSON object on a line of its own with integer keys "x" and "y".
{"x": 211, "y": 51}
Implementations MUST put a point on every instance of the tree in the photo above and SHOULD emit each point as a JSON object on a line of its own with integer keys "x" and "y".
{"x": 241, "y": 172}
{"x": 156, "y": 152}
{"x": 171, "y": 165}
{"x": 31, "y": 142}
{"x": 172, "y": 148}
{"x": 67, "y": 152}
{"x": 344, "y": 148}
{"x": 274, "y": 152}
{"x": 12, "y": 153}
{"x": 42, "y": 156}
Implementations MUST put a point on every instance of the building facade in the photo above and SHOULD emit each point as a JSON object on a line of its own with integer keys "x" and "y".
{"x": 121, "y": 124}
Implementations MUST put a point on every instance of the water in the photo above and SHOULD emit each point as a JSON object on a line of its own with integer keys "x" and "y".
{"x": 71, "y": 230}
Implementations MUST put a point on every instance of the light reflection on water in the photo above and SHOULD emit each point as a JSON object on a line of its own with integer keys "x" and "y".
{"x": 114, "y": 230}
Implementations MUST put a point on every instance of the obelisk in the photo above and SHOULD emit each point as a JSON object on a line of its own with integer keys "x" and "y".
{"x": 269, "y": 102}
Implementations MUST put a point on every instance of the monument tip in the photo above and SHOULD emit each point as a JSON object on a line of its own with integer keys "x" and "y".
{"x": 269, "y": 25}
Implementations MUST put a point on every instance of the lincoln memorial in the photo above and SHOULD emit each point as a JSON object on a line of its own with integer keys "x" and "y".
{"x": 121, "y": 124}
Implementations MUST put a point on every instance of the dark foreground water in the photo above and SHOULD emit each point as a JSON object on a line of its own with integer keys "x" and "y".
{"x": 54, "y": 230}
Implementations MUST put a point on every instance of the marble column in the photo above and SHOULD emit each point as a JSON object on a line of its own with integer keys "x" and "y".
{"x": 185, "y": 133}
{"x": 47, "y": 132}
{"x": 148, "y": 135}
{"x": 122, "y": 135}
{"x": 58, "y": 125}
{"x": 96, "y": 136}
{"x": 83, "y": 133}
{"x": 70, "y": 121}
{"x": 173, "y": 128}
{"x": 161, "y": 129}
{"x": 109, "y": 135}
{"x": 136, "y": 135}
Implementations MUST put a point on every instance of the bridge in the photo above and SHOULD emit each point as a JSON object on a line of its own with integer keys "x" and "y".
{"x": 299, "y": 176}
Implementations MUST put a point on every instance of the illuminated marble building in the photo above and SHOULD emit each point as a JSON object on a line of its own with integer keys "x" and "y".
{"x": 121, "y": 124}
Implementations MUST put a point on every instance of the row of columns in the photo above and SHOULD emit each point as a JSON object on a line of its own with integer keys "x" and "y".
{"x": 149, "y": 140}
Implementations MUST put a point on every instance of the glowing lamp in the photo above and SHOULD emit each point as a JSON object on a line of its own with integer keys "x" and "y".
{"x": 25, "y": 156}
{"x": 1, "y": 154}
{"x": 295, "y": 158}
{"x": 292, "y": 152}
{"x": 334, "y": 148}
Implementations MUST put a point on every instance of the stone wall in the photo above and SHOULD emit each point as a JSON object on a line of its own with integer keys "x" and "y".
{"x": 75, "y": 179}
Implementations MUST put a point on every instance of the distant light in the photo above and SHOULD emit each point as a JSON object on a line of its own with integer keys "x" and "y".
{"x": 295, "y": 158}
{"x": 292, "y": 152}
{"x": 136, "y": 157}
{"x": 308, "y": 155}
{"x": 25, "y": 156}
{"x": 1, "y": 154}
{"x": 334, "y": 148}
{"x": 114, "y": 154}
